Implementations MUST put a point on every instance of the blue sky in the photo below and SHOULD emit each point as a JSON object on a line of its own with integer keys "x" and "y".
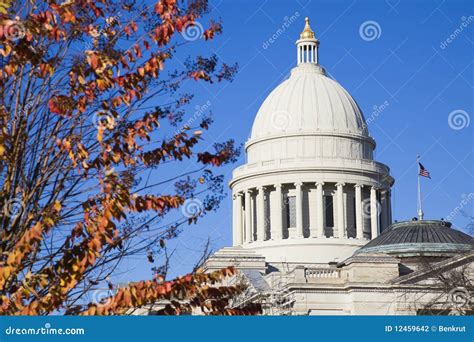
{"x": 423, "y": 82}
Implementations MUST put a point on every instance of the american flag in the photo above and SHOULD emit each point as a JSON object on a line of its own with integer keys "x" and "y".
{"x": 424, "y": 172}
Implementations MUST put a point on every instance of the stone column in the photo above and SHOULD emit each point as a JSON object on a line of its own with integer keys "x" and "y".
{"x": 248, "y": 217}
{"x": 237, "y": 219}
{"x": 340, "y": 211}
{"x": 261, "y": 214}
{"x": 277, "y": 226}
{"x": 319, "y": 210}
{"x": 374, "y": 220}
{"x": 358, "y": 212}
{"x": 389, "y": 206}
{"x": 384, "y": 210}
{"x": 299, "y": 210}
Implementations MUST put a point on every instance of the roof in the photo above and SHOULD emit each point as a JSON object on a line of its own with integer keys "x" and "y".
{"x": 420, "y": 237}
{"x": 309, "y": 102}
{"x": 435, "y": 269}
{"x": 256, "y": 279}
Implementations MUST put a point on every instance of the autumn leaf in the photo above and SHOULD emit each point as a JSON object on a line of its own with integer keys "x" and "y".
{"x": 4, "y": 6}
{"x": 57, "y": 206}
{"x": 61, "y": 104}
{"x": 92, "y": 59}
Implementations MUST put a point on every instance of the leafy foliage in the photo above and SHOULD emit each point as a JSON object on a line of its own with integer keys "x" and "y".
{"x": 77, "y": 140}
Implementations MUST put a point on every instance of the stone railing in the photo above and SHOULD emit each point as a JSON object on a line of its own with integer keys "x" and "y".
{"x": 322, "y": 273}
{"x": 319, "y": 275}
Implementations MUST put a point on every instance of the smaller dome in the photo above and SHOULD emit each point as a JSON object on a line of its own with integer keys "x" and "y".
{"x": 427, "y": 237}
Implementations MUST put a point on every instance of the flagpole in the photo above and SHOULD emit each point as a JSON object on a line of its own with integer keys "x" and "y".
{"x": 420, "y": 209}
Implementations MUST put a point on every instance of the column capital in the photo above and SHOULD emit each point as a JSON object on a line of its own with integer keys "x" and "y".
{"x": 340, "y": 184}
{"x": 299, "y": 184}
{"x": 359, "y": 185}
{"x": 262, "y": 188}
{"x": 318, "y": 183}
{"x": 278, "y": 185}
{"x": 237, "y": 194}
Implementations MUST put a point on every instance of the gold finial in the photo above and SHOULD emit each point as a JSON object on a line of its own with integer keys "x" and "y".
{"x": 307, "y": 32}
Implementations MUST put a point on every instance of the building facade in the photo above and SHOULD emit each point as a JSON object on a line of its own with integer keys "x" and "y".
{"x": 312, "y": 219}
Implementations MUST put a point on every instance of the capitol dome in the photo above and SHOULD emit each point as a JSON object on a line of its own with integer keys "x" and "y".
{"x": 309, "y": 101}
{"x": 309, "y": 116}
{"x": 310, "y": 190}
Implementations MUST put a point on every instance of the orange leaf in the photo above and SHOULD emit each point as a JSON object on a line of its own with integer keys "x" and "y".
{"x": 57, "y": 206}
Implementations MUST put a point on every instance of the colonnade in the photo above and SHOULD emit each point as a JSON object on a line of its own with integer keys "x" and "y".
{"x": 255, "y": 219}
{"x": 307, "y": 53}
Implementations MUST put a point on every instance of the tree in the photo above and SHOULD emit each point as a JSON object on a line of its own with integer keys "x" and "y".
{"x": 440, "y": 287}
{"x": 81, "y": 133}
{"x": 452, "y": 280}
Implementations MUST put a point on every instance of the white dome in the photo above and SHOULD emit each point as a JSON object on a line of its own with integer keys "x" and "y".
{"x": 309, "y": 177}
{"x": 309, "y": 101}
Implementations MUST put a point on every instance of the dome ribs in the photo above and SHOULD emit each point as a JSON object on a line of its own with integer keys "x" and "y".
{"x": 301, "y": 125}
{"x": 342, "y": 103}
{"x": 315, "y": 102}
